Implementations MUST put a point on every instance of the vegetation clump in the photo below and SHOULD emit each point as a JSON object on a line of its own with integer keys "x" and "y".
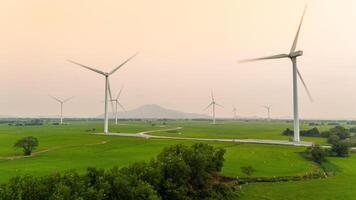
{"x": 317, "y": 154}
{"x": 341, "y": 149}
{"x": 28, "y": 144}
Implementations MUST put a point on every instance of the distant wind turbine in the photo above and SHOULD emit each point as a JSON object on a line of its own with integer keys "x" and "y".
{"x": 116, "y": 101}
{"x": 268, "y": 108}
{"x": 234, "y": 112}
{"x": 213, "y": 104}
{"x": 292, "y": 55}
{"x": 107, "y": 88}
{"x": 61, "y": 102}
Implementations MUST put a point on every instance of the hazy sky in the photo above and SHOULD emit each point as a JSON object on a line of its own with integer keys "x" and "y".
{"x": 186, "y": 49}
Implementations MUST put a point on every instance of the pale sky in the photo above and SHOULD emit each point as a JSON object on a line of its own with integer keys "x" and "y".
{"x": 186, "y": 49}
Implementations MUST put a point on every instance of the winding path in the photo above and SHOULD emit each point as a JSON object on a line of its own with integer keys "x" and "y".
{"x": 146, "y": 135}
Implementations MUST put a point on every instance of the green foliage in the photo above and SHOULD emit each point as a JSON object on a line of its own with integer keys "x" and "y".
{"x": 28, "y": 144}
{"x": 248, "y": 170}
{"x": 317, "y": 153}
{"x": 313, "y": 132}
{"x": 340, "y": 131}
{"x": 341, "y": 149}
{"x": 333, "y": 139}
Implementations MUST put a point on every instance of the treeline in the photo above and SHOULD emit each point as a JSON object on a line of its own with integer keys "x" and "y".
{"x": 314, "y": 132}
{"x": 340, "y": 131}
{"x": 179, "y": 172}
{"x": 338, "y": 137}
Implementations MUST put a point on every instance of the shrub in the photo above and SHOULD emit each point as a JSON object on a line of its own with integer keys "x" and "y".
{"x": 332, "y": 139}
{"x": 314, "y": 132}
{"x": 340, "y": 131}
{"x": 341, "y": 149}
{"x": 28, "y": 144}
{"x": 317, "y": 153}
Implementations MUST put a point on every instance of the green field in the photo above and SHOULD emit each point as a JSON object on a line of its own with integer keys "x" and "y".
{"x": 74, "y": 147}
{"x": 238, "y": 130}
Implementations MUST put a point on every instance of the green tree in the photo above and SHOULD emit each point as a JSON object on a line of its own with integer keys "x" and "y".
{"x": 341, "y": 149}
{"x": 317, "y": 153}
{"x": 28, "y": 144}
{"x": 333, "y": 139}
{"x": 340, "y": 131}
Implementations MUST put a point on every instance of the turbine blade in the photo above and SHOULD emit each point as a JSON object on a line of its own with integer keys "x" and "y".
{"x": 208, "y": 106}
{"x": 114, "y": 70}
{"x": 265, "y": 58}
{"x": 212, "y": 95}
{"x": 295, "y": 42}
{"x": 55, "y": 98}
{"x": 219, "y": 105}
{"x": 305, "y": 86}
{"x": 122, "y": 107}
{"x": 68, "y": 99}
{"x": 110, "y": 95}
{"x": 119, "y": 94}
{"x": 92, "y": 69}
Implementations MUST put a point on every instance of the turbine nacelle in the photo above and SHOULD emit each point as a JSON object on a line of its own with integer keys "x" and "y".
{"x": 296, "y": 54}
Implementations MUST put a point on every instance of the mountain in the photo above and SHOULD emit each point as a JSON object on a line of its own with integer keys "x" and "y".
{"x": 152, "y": 111}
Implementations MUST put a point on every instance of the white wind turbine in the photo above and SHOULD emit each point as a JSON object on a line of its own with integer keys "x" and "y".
{"x": 116, "y": 101}
{"x": 292, "y": 55}
{"x": 213, "y": 104}
{"x": 268, "y": 108}
{"x": 107, "y": 88}
{"x": 61, "y": 103}
{"x": 234, "y": 112}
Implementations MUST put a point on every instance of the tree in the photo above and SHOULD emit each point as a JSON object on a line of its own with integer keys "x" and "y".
{"x": 340, "y": 131}
{"x": 333, "y": 139}
{"x": 28, "y": 144}
{"x": 248, "y": 170}
{"x": 341, "y": 148}
{"x": 317, "y": 153}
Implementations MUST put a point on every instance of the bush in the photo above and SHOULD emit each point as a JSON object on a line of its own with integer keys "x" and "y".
{"x": 317, "y": 153}
{"x": 341, "y": 149}
{"x": 28, "y": 144}
{"x": 333, "y": 139}
{"x": 314, "y": 132}
{"x": 340, "y": 131}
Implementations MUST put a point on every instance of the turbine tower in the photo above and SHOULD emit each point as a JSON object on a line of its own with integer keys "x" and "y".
{"x": 116, "y": 101}
{"x": 107, "y": 88}
{"x": 234, "y": 112}
{"x": 268, "y": 108}
{"x": 292, "y": 55}
{"x": 213, "y": 104}
{"x": 61, "y": 102}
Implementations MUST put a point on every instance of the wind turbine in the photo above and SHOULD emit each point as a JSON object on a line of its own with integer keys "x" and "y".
{"x": 234, "y": 112}
{"x": 61, "y": 103}
{"x": 107, "y": 87}
{"x": 268, "y": 108}
{"x": 213, "y": 104}
{"x": 292, "y": 55}
{"x": 116, "y": 101}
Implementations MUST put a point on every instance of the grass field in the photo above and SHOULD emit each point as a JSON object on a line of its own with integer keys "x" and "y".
{"x": 340, "y": 186}
{"x": 74, "y": 147}
{"x": 238, "y": 130}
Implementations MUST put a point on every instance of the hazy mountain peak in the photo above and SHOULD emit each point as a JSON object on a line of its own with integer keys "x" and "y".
{"x": 154, "y": 111}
